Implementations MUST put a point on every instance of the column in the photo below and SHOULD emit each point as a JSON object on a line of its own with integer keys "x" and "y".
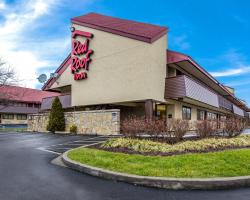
{"x": 149, "y": 109}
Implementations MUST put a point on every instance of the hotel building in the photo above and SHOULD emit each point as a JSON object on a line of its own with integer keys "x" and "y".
{"x": 126, "y": 65}
{"x": 17, "y": 102}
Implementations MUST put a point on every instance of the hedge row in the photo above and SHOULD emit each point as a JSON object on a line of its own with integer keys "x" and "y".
{"x": 177, "y": 128}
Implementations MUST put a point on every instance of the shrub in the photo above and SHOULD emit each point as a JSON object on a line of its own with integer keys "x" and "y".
{"x": 206, "y": 128}
{"x": 178, "y": 128}
{"x": 56, "y": 117}
{"x": 73, "y": 129}
{"x": 156, "y": 127}
{"x": 135, "y": 126}
{"x": 234, "y": 126}
{"x": 174, "y": 128}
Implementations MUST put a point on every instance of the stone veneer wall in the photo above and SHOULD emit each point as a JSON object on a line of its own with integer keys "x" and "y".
{"x": 101, "y": 122}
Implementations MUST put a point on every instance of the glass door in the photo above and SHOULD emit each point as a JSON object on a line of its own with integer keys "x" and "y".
{"x": 161, "y": 111}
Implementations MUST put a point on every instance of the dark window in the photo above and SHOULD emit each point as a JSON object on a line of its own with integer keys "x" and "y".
{"x": 200, "y": 115}
{"x": 211, "y": 116}
{"x": 30, "y": 105}
{"x": 186, "y": 113}
{"x": 6, "y": 103}
{"x": 21, "y": 117}
{"x": 37, "y": 106}
{"x": 178, "y": 73}
{"x": 19, "y": 104}
{"x": 10, "y": 103}
{"x": 8, "y": 116}
{"x": 171, "y": 72}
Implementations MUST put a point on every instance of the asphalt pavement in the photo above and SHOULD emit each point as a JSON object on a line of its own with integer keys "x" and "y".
{"x": 26, "y": 173}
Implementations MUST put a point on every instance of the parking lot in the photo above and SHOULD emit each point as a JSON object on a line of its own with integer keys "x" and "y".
{"x": 26, "y": 173}
{"x": 84, "y": 141}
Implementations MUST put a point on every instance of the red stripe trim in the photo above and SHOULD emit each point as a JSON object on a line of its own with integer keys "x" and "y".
{"x": 82, "y": 33}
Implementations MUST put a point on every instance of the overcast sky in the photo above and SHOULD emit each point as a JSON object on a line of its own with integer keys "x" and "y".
{"x": 35, "y": 34}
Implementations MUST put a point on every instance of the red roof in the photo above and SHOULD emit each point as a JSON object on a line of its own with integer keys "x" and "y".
{"x": 173, "y": 57}
{"x": 127, "y": 28}
{"x": 22, "y": 94}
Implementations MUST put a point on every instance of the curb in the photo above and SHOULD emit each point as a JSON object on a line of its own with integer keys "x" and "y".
{"x": 160, "y": 182}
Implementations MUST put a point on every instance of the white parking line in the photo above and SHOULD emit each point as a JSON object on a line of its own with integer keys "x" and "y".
{"x": 75, "y": 141}
{"x": 49, "y": 151}
{"x": 85, "y": 142}
{"x": 67, "y": 145}
{"x": 62, "y": 148}
{"x": 101, "y": 136}
{"x": 82, "y": 144}
{"x": 92, "y": 144}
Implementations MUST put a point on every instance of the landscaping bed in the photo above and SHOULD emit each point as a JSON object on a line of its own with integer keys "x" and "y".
{"x": 228, "y": 163}
{"x": 148, "y": 147}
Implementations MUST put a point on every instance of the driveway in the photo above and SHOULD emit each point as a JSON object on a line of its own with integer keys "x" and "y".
{"x": 26, "y": 173}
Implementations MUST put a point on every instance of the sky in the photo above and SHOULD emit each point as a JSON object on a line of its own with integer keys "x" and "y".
{"x": 35, "y": 34}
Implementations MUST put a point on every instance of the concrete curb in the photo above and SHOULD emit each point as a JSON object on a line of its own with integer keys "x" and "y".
{"x": 160, "y": 182}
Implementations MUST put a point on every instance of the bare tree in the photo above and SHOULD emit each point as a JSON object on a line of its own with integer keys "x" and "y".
{"x": 7, "y": 74}
{"x": 7, "y": 77}
{"x": 10, "y": 95}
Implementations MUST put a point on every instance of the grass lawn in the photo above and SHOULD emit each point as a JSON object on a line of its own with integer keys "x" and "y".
{"x": 217, "y": 164}
{"x": 12, "y": 129}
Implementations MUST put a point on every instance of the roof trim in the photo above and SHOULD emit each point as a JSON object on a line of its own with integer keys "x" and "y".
{"x": 183, "y": 57}
{"x": 124, "y": 34}
{"x": 59, "y": 70}
{"x": 149, "y": 39}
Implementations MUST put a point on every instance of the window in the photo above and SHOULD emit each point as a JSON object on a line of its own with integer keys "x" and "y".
{"x": 21, "y": 117}
{"x": 223, "y": 118}
{"x": 186, "y": 113}
{"x": 200, "y": 115}
{"x": 20, "y": 104}
{"x": 171, "y": 72}
{"x": 211, "y": 116}
{"x": 178, "y": 73}
{"x": 8, "y": 116}
{"x": 10, "y": 103}
{"x": 37, "y": 105}
{"x": 30, "y": 105}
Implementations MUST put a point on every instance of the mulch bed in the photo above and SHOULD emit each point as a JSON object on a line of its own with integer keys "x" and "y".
{"x": 129, "y": 151}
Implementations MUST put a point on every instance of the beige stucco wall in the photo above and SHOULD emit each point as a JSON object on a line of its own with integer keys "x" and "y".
{"x": 122, "y": 69}
{"x": 177, "y": 111}
{"x": 171, "y": 110}
{"x": 101, "y": 122}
